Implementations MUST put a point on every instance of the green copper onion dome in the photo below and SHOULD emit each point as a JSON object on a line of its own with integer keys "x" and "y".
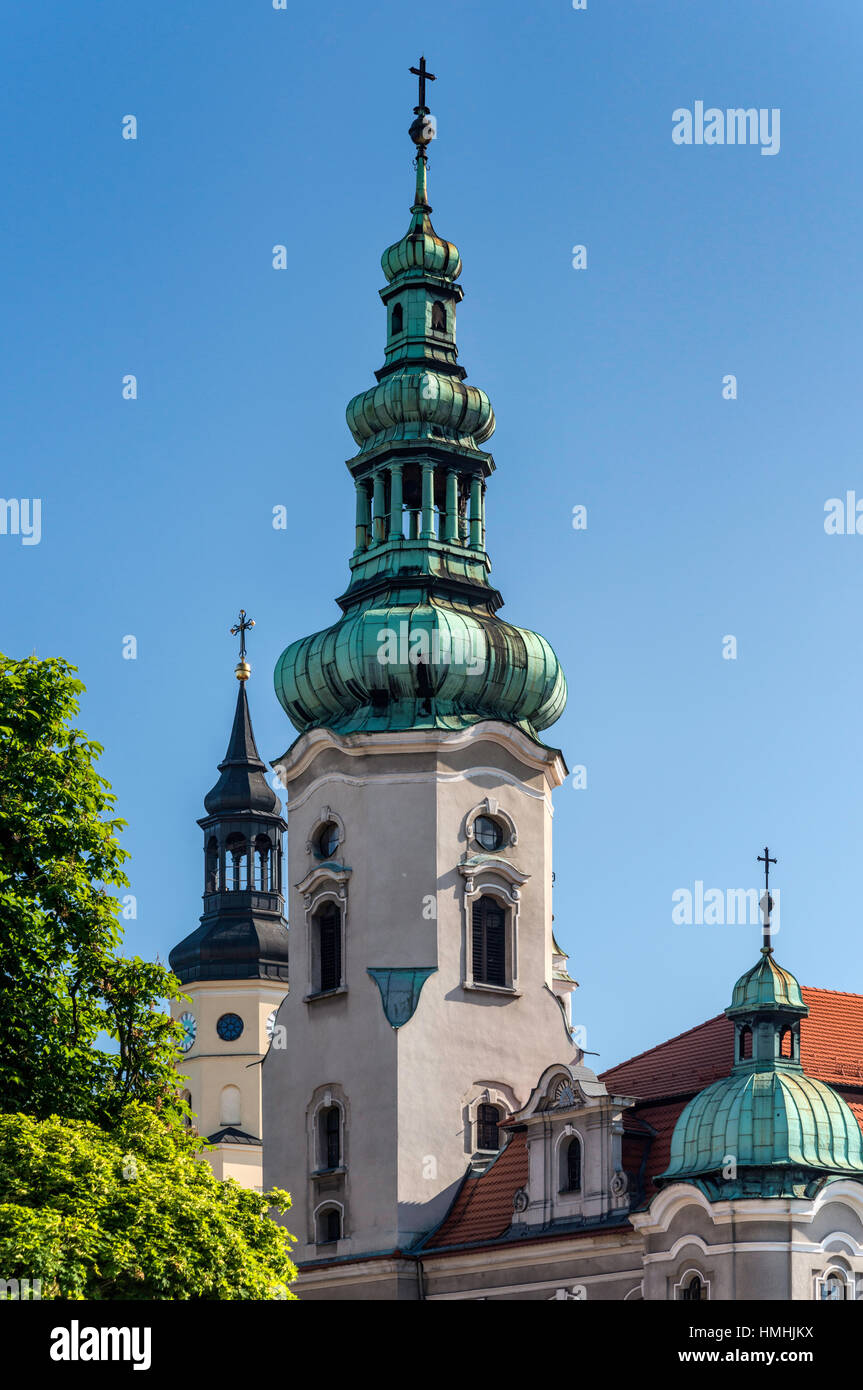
{"x": 426, "y": 664}
{"x": 767, "y": 1129}
{"x": 766, "y": 985}
{"x": 421, "y": 252}
{"x": 421, "y": 392}
{"x": 420, "y": 644}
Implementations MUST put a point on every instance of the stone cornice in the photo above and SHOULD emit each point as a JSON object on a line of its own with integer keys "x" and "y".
{"x": 306, "y": 748}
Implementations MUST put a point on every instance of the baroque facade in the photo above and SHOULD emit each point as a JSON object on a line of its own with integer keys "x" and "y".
{"x": 419, "y": 1085}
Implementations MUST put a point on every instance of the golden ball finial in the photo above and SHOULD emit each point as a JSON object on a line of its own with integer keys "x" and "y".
{"x": 242, "y": 670}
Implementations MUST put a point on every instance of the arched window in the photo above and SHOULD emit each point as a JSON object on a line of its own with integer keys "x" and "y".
{"x": 438, "y": 317}
{"x": 211, "y": 880}
{"x": 694, "y": 1290}
{"x": 187, "y": 1119}
{"x": 832, "y": 1286}
{"x": 398, "y": 318}
{"x": 329, "y": 1225}
{"x": 330, "y": 1122}
{"x": 572, "y": 1172}
{"x": 262, "y": 864}
{"x": 786, "y": 1043}
{"x": 237, "y": 863}
{"x": 487, "y": 1127}
{"x": 230, "y": 1111}
{"x": 489, "y": 942}
{"x": 744, "y": 1051}
{"x": 328, "y": 926}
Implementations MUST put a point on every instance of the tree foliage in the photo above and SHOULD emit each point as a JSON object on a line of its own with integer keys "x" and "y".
{"x": 132, "y": 1214}
{"x": 62, "y": 983}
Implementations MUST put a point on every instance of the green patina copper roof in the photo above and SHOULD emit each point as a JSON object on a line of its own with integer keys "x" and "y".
{"x": 763, "y": 1120}
{"x": 767, "y": 1129}
{"x": 420, "y": 643}
{"x": 766, "y": 984}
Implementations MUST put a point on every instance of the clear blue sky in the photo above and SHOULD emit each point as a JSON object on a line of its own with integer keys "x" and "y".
{"x": 153, "y": 257}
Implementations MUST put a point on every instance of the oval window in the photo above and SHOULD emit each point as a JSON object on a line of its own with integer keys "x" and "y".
{"x": 487, "y": 833}
{"x": 328, "y": 840}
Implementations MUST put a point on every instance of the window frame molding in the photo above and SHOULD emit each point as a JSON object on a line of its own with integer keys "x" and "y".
{"x": 848, "y": 1280}
{"x": 487, "y": 1093}
{"x": 568, "y": 1135}
{"x": 328, "y": 1098}
{"x": 324, "y": 817}
{"x": 479, "y": 884}
{"x": 492, "y": 808}
{"x": 324, "y": 884}
{"x": 328, "y": 1204}
{"x": 690, "y": 1272}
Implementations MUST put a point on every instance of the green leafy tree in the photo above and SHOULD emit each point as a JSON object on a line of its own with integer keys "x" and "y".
{"x": 132, "y": 1214}
{"x": 62, "y": 984}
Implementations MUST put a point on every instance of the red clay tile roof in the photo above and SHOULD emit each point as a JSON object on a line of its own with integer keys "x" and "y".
{"x": 482, "y": 1209}
{"x": 663, "y": 1080}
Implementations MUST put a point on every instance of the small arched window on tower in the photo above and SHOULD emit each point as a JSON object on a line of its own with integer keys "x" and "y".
{"x": 438, "y": 317}
{"x": 744, "y": 1047}
{"x": 211, "y": 879}
{"x": 571, "y": 1167}
{"x": 329, "y": 1225}
{"x": 330, "y": 1122}
{"x": 230, "y": 1110}
{"x": 328, "y": 930}
{"x": 786, "y": 1044}
{"x": 694, "y": 1290}
{"x": 262, "y": 863}
{"x": 488, "y": 1128}
{"x": 489, "y": 942}
{"x": 237, "y": 863}
{"x": 398, "y": 319}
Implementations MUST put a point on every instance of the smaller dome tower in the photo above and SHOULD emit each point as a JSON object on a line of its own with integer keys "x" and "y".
{"x": 235, "y": 964}
{"x": 787, "y": 1133}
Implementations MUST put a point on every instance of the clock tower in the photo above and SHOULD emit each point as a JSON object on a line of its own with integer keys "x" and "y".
{"x": 235, "y": 964}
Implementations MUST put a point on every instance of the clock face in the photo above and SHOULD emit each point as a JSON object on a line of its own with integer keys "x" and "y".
{"x": 229, "y": 1027}
{"x": 271, "y": 1023}
{"x": 190, "y": 1031}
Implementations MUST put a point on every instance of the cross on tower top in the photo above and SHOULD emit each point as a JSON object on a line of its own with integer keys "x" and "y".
{"x": 242, "y": 626}
{"x": 424, "y": 76}
{"x": 767, "y": 900}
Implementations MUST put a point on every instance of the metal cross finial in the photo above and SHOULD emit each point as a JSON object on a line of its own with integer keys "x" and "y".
{"x": 242, "y": 628}
{"x": 768, "y": 901}
{"x": 424, "y": 76}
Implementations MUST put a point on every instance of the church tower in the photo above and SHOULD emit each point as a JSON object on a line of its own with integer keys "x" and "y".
{"x": 425, "y": 980}
{"x": 235, "y": 965}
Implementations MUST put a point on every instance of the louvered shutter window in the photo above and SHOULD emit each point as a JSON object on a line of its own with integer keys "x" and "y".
{"x": 487, "y": 1132}
{"x": 332, "y": 1126}
{"x": 329, "y": 926}
{"x": 489, "y": 942}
